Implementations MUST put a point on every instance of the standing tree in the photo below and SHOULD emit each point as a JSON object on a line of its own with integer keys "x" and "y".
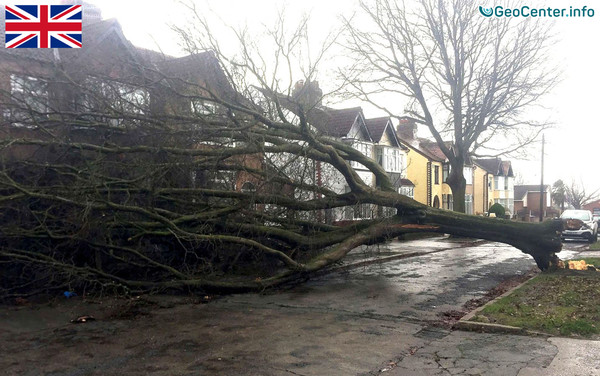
{"x": 559, "y": 194}
{"x": 468, "y": 78}
{"x": 577, "y": 196}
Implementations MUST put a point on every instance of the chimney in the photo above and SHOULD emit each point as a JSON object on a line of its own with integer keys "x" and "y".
{"x": 308, "y": 94}
{"x": 407, "y": 129}
{"x": 91, "y": 13}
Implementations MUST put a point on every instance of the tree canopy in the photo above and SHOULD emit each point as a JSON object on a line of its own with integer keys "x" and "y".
{"x": 469, "y": 79}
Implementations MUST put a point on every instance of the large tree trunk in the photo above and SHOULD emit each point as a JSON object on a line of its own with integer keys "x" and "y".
{"x": 540, "y": 240}
{"x": 458, "y": 185}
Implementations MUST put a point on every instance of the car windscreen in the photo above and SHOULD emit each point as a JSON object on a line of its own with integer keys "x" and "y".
{"x": 576, "y": 214}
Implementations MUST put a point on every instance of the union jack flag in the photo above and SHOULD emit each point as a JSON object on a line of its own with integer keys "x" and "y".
{"x": 43, "y": 26}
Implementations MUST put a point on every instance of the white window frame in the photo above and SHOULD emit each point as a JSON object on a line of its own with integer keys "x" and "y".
{"x": 103, "y": 96}
{"x": 468, "y": 204}
{"x": 468, "y": 174}
{"x": 407, "y": 190}
{"x": 202, "y": 107}
{"x": 31, "y": 94}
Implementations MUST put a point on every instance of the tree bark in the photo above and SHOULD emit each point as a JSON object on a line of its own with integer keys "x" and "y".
{"x": 458, "y": 185}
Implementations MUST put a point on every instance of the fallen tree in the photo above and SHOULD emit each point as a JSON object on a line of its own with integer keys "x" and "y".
{"x": 119, "y": 192}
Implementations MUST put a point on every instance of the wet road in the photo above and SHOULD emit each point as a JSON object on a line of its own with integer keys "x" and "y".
{"x": 416, "y": 288}
{"x": 377, "y": 318}
{"x": 370, "y": 320}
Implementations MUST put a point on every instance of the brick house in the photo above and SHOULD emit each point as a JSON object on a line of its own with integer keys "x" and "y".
{"x": 593, "y": 206}
{"x": 112, "y": 77}
{"x": 527, "y": 203}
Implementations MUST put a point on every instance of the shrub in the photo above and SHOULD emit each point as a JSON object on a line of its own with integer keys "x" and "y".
{"x": 498, "y": 210}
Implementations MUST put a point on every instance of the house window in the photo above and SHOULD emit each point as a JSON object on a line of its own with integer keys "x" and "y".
{"x": 358, "y": 211}
{"x": 363, "y": 211}
{"x": 390, "y": 159}
{"x": 113, "y": 100}
{"x": 468, "y": 174}
{"x": 407, "y": 191}
{"x": 30, "y": 100}
{"x": 202, "y": 107}
{"x": 365, "y": 149}
{"x": 469, "y": 204}
{"x": 503, "y": 202}
{"x": 448, "y": 202}
{"x": 380, "y": 157}
{"x": 506, "y": 184}
{"x": 436, "y": 175}
{"x": 222, "y": 180}
{"x": 248, "y": 187}
{"x": 389, "y": 211}
{"x": 496, "y": 182}
{"x": 398, "y": 160}
{"x": 132, "y": 100}
{"x": 445, "y": 172}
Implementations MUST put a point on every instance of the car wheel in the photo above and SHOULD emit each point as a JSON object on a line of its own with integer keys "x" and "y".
{"x": 592, "y": 238}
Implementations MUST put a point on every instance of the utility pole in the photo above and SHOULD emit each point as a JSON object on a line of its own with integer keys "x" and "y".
{"x": 542, "y": 183}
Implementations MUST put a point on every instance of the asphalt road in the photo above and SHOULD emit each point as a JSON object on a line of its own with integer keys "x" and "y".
{"x": 370, "y": 320}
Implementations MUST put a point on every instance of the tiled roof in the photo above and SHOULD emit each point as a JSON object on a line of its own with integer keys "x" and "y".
{"x": 496, "y": 166}
{"x": 152, "y": 57}
{"x": 336, "y": 123}
{"x": 425, "y": 147}
{"x": 490, "y": 165}
{"x": 190, "y": 66}
{"x": 406, "y": 182}
{"x": 521, "y": 190}
{"x": 433, "y": 149}
{"x": 377, "y": 127}
{"x": 203, "y": 69}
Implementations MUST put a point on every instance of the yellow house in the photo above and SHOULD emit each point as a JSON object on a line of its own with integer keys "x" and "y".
{"x": 500, "y": 182}
{"x": 483, "y": 181}
{"x": 423, "y": 168}
{"x": 428, "y": 169}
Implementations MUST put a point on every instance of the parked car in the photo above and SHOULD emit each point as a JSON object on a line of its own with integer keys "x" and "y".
{"x": 579, "y": 224}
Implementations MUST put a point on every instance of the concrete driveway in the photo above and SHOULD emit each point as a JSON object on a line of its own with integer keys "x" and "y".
{"x": 368, "y": 320}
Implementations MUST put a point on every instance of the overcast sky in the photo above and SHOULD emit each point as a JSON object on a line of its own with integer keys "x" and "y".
{"x": 572, "y": 148}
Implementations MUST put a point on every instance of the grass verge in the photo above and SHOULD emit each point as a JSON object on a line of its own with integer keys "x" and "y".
{"x": 595, "y": 246}
{"x": 562, "y": 302}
